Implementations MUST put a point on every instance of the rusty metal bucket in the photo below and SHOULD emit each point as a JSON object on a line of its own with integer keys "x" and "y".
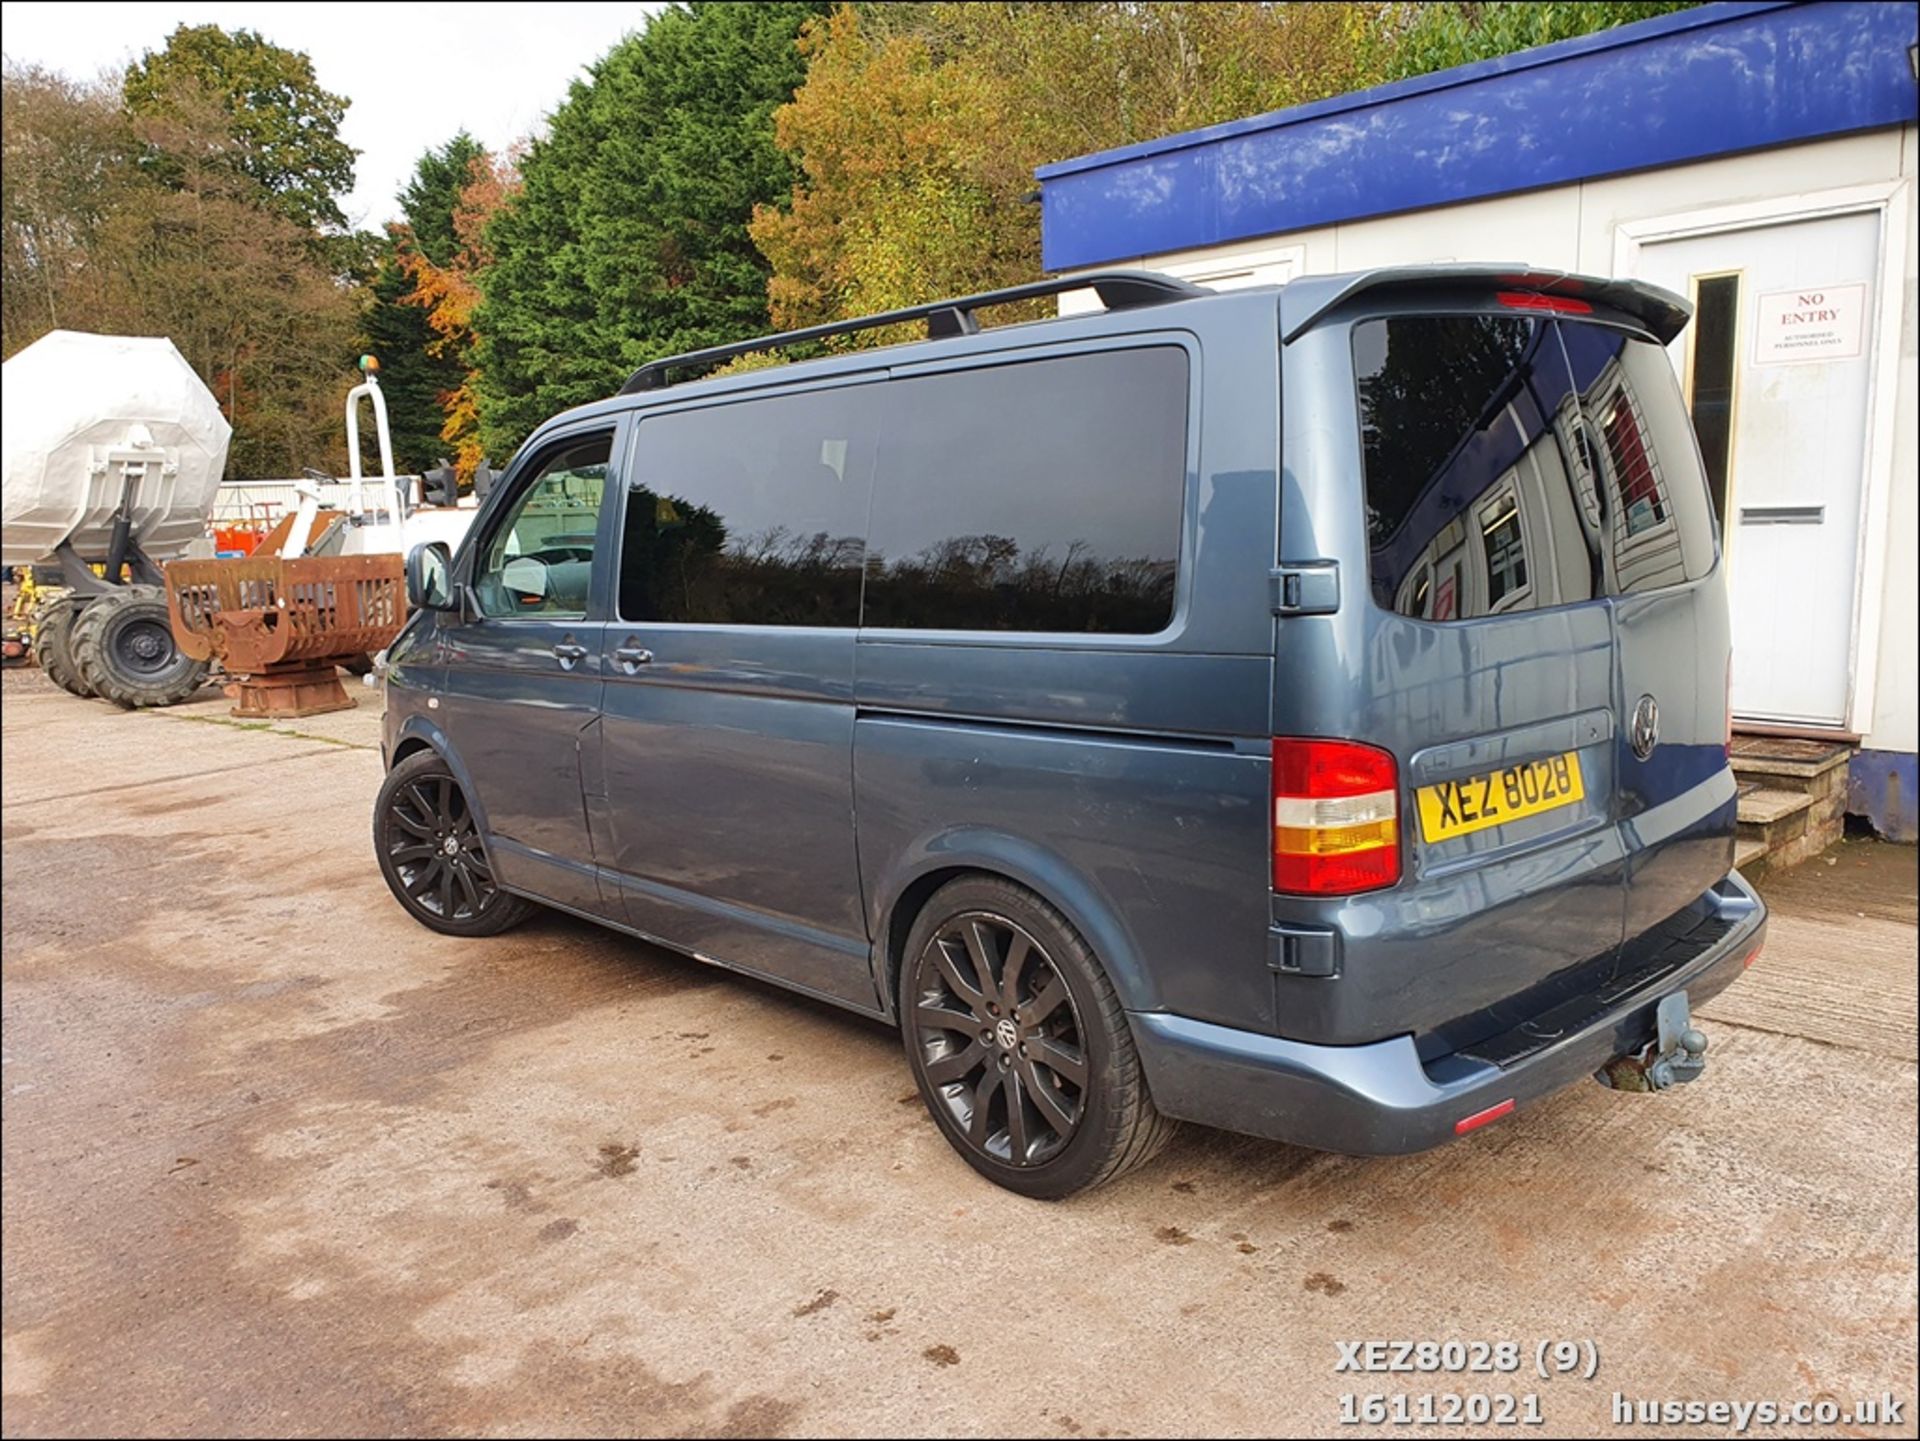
{"x": 281, "y": 627}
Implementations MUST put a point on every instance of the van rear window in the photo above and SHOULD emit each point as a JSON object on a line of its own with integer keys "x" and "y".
{"x": 1514, "y": 463}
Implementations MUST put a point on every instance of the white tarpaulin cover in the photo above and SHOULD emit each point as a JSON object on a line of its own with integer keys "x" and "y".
{"x": 75, "y": 411}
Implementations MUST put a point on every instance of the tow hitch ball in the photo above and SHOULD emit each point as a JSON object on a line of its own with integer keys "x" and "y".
{"x": 1678, "y": 1053}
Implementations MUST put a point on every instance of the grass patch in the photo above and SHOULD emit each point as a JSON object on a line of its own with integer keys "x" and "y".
{"x": 271, "y": 729}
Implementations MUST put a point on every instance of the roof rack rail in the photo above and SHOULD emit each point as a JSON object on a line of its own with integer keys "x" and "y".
{"x": 1117, "y": 289}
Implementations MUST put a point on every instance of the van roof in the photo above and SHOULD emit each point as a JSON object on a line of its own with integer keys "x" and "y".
{"x": 1117, "y": 289}
{"x": 1303, "y": 303}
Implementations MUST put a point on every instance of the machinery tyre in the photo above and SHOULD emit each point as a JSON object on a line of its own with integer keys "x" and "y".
{"x": 124, "y": 648}
{"x": 53, "y": 645}
{"x": 357, "y": 664}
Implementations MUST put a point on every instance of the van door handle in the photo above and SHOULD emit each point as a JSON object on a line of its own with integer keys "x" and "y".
{"x": 631, "y": 657}
{"x": 569, "y": 654}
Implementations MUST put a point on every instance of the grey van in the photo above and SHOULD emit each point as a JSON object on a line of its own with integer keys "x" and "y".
{"x": 1299, "y": 710}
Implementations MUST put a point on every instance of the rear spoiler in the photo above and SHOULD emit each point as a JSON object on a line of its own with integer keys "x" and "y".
{"x": 1304, "y": 303}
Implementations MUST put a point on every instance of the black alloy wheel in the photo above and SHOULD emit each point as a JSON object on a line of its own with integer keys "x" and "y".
{"x": 1001, "y": 1039}
{"x": 1019, "y": 1043}
{"x": 432, "y": 854}
{"x": 435, "y": 849}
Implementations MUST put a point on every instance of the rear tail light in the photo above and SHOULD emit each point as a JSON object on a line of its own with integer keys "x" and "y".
{"x": 1531, "y": 300}
{"x": 1753, "y": 955}
{"x": 1336, "y": 817}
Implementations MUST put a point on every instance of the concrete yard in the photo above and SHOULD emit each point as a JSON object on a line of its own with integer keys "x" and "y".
{"x": 278, "y": 1161}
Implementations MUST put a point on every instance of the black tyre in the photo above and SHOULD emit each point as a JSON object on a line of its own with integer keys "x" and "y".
{"x": 53, "y": 645}
{"x": 123, "y": 647}
{"x": 1019, "y": 1043}
{"x": 357, "y": 664}
{"x": 432, "y": 856}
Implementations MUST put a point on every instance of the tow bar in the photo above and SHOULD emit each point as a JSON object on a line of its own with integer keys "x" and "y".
{"x": 1677, "y": 1053}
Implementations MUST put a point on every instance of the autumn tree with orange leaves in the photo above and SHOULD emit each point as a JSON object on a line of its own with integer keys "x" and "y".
{"x": 449, "y": 292}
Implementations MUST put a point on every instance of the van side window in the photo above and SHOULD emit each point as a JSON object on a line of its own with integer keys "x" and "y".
{"x": 539, "y": 560}
{"x": 1525, "y": 463}
{"x": 751, "y": 513}
{"x": 1044, "y": 495}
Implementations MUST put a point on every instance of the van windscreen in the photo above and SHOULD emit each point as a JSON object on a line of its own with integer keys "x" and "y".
{"x": 1514, "y": 463}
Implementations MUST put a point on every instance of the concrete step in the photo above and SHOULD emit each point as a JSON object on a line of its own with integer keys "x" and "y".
{"x": 1766, "y": 806}
{"x": 1789, "y": 763}
{"x": 1793, "y": 795}
{"x": 1780, "y": 828}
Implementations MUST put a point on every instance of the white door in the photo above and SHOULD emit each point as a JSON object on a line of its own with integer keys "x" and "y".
{"x": 1776, "y": 367}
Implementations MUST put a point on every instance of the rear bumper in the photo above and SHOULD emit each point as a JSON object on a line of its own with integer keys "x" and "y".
{"x": 1380, "y": 1099}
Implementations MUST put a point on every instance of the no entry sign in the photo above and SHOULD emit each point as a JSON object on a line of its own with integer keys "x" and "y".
{"x": 1821, "y": 322}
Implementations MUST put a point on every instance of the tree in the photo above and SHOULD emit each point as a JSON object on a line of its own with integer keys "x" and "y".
{"x": 919, "y": 126}
{"x": 419, "y": 371}
{"x": 449, "y": 293}
{"x": 629, "y": 238}
{"x": 239, "y": 289}
{"x": 412, "y": 378}
{"x": 95, "y": 242}
{"x": 917, "y": 132}
{"x": 66, "y": 161}
{"x": 433, "y": 193}
{"x": 283, "y": 127}
{"x": 1430, "y": 37}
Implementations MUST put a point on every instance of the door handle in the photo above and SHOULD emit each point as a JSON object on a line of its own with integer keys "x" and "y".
{"x": 569, "y": 655}
{"x": 632, "y": 656}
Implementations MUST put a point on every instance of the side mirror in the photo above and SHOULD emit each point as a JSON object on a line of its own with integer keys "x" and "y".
{"x": 430, "y": 576}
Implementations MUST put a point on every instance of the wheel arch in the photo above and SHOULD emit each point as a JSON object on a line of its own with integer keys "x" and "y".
{"x": 417, "y": 734}
{"x": 1008, "y": 858}
{"x": 409, "y": 747}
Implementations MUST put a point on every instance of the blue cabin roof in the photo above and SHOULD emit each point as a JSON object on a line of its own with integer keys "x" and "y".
{"x": 1715, "y": 80}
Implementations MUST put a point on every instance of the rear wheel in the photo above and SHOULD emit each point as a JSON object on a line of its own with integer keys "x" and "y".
{"x": 124, "y": 649}
{"x": 1019, "y": 1043}
{"x": 53, "y": 644}
{"x": 430, "y": 851}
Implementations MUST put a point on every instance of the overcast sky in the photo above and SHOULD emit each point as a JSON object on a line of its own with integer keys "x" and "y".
{"x": 416, "y": 73}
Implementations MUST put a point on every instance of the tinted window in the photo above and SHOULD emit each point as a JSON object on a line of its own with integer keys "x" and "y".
{"x": 1040, "y": 496}
{"x": 539, "y": 561}
{"x": 751, "y": 513}
{"x": 1514, "y": 463}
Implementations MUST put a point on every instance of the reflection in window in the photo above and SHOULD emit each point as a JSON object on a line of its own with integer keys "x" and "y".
{"x": 1039, "y": 496}
{"x": 751, "y": 513}
{"x": 539, "y": 562}
{"x": 1506, "y": 551}
{"x": 1564, "y": 444}
{"x": 1636, "y": 479}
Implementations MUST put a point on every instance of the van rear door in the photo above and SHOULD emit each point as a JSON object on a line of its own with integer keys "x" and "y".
{"x": 1670, "y": 620}
{"x": 1534, "y": 553}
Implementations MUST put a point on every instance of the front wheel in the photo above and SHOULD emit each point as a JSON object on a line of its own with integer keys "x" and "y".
{"x": 1019, "y": 1044}
{"x": 430, "y": 852}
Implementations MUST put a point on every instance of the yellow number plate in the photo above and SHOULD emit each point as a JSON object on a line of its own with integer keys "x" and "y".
{"x": 1458, "y": 808}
